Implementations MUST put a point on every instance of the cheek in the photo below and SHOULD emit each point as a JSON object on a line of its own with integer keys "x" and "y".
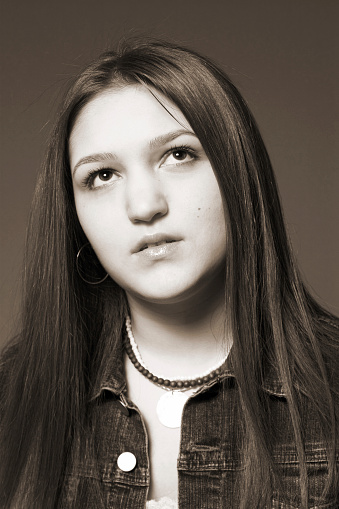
{"x": 86, "y": 218}
{"x": 209, "y": 210}
{"x": 98, "y": 226}
{"x": 213, "y": 217}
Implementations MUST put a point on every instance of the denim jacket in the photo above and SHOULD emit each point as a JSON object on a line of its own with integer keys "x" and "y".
{"x": 209, "y": 462}
{"x": 210, "y": 458}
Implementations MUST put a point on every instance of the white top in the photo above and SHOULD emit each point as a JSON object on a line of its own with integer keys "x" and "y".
{"x": 163, "y": 503}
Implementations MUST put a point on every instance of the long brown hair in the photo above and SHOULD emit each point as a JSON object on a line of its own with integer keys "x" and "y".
{"x": 65, "y": 322}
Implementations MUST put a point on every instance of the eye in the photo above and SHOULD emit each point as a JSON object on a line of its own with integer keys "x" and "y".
{"x": 105, "y": 175}
{"x": 98, "y": 178}
{"x": 179, "y": 155}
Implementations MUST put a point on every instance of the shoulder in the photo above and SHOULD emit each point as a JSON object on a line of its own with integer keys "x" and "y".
{"x": 8, "y": 356}
{"x": 327, "y": 332}
{"x": 8, "y": 362}
{"x": 329, "y": 324}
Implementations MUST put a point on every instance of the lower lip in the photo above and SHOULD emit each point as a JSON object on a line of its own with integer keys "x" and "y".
{"x": 159, "y": 252}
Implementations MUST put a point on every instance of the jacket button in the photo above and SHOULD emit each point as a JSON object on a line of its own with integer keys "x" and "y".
{"x": 127, "y": 461}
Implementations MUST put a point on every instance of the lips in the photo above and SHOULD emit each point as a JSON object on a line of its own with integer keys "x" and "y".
{"x": 156, "y": 244}
{"x": 152, "y": 240}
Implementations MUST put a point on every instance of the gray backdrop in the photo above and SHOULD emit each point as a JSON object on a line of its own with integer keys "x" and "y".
{"x": 281, "y": 54}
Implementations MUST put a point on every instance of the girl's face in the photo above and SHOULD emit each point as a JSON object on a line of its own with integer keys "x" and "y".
{"x": 147, "y": 197}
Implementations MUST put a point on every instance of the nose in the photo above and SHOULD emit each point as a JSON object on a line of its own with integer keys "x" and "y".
{"x": 145, "y": 199}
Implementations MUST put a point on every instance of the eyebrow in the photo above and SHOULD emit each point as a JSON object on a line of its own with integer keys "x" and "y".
{"x": 155, "y": 143}
{"x": 161, "y": 140}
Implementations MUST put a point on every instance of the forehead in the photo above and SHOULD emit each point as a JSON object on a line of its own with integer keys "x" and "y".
{"x": 131, "y": 113}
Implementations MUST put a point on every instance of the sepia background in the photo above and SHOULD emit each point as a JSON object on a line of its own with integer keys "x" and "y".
{"x": 282, "y": 55}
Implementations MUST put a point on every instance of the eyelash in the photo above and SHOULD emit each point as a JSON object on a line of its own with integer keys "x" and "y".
{"x": 183, "y": 148}
{"x": 89, "y": 179}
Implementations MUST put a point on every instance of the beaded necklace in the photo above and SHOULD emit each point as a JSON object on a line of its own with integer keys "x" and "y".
{"x": 170, "y": 404}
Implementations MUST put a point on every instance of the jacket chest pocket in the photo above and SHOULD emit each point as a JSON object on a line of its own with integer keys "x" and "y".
{"x": 287, "y": 493}
{"x": 207, "y": 478}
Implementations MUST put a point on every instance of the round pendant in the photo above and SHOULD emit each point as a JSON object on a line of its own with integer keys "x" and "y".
{"x": 170, "y": 407}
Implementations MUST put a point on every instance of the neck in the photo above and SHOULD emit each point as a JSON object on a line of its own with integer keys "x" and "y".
{"x": 181, "y": 338}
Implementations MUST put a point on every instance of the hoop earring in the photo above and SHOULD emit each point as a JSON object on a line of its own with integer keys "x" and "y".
{"x": 95, "y": 281}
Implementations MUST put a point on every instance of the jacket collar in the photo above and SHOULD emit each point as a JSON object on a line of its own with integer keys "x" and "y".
{"x": 111, "y": 374}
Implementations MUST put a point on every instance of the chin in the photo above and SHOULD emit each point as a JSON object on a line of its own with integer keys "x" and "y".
{"x": 159, "y": 297}
{"x": 166, "y": 294}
